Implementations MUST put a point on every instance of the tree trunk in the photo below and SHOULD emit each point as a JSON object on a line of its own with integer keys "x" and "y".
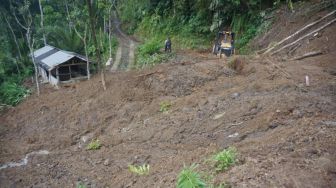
{"x": 41, "y": 11}
{"x": 31, "y": 50}
{"x": 14, "y": 37}
{"x": 86, "y": 55}
{"x": 94, "y": 37}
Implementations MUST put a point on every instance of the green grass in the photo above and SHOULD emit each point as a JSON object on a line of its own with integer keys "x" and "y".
{"x": 94, "y": 145}
{"x": 165, "y": 106}
{"x": 139, "y": 170}
{"x": 190, "y": 178}
{"x": 224, "y": 159}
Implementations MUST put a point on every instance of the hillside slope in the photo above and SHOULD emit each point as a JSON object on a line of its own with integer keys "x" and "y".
{"x": 283, "y": 130}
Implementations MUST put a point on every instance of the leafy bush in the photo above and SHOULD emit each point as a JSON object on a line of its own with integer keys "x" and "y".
{"x": 225, "y": 159}
{"x": 94, "y": 145}
{"x": 165, "y": 106}
{"x": 12, "y": 93}
{"x": 189, "y": 178}
{"x": 140, "y": 170}
{"x": 150, "y": 47}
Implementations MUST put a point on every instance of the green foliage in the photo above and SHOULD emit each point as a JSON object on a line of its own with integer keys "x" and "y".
{"x": 189, "y": 178}
{"x": 148, "y": 54}
{"x": 222, "y": 185}
{"x": 12, "y": 93}
{"x": 151, "y": 47}
{"x": 94, "y": 145}
{"x": 80, "y": 185}
{"x": 140, "y": 170}
{"x": 165, "y": 106}
{"x": 192, "y": 25}
{"x": 225, "y": 159}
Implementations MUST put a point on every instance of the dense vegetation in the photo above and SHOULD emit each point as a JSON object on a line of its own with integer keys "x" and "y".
{"x": 192, "y": 24}
{"x": 66, "y": 24}
{"x": 82, "y": 26}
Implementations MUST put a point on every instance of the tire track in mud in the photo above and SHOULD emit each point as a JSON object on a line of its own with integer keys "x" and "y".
{"x": 125, "y": 55}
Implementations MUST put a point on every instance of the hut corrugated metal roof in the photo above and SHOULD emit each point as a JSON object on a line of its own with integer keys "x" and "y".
{"x": 49, "y": 57}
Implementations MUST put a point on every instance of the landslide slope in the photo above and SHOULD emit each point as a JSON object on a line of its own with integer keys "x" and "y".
{"x": 283, "y": 130}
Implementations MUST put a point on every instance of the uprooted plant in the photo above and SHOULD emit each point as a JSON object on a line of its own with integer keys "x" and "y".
{"x": 140, "y": 170}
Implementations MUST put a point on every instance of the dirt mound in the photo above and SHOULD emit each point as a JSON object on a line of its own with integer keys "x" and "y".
{"x": 284, "y": 131}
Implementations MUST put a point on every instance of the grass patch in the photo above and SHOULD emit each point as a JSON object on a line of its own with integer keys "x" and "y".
{"x": 190, "y": 178}
{"x": 94, "y": 145}
{"x": 165, "y": 106}
{"x": 139, "y": 170}
{"x": 12, "y": 93}
{"x": 224, "y": 159}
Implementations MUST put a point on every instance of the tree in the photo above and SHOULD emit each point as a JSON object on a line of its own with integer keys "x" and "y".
{"x": 98, "y": 51}
{"x": 41, "y": 22}
{"x": 27, "y": 26}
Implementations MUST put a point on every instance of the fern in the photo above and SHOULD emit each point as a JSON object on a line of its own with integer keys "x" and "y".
{"x": 225, "y": 159}
{"x": 140, "y": 170}
{"x": 189, "y": 178}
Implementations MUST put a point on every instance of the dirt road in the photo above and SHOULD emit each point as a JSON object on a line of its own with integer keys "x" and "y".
{"x": 124, "y": 59}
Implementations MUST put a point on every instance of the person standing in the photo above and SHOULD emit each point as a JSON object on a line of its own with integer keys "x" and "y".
{"x": 168, "y": 45}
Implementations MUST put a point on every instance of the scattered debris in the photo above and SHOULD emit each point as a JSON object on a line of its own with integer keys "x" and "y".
{"x": 233, "y": 135}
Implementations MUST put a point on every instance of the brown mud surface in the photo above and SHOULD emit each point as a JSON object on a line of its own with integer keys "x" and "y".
{"x": 283, "y": 130}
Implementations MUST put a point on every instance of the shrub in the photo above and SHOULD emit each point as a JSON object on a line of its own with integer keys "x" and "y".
{"x": 80, "y": 185}
{"x": 150, "y": 47}
{"x": 94, "y": 145}
{"x": 11, "y": 93}
{"x": 189, "y": 178}
{"x": 225, "y": 159}
{"x": 140, "y": 170}
{"x": 165, "y": 106}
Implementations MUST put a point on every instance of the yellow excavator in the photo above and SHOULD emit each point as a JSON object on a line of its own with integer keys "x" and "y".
{"x": 224, "y": 44}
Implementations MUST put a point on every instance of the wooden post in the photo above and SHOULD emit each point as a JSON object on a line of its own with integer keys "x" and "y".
{"x": 57, "y": 74}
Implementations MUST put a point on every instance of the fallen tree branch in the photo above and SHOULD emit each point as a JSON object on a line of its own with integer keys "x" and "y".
{"x": 305, "y": 36}
{"x": 287, "y": 74}
{"x": 292, "y": 50}
{"x": 310, "y": 54}
{"x": 268, "y": 49}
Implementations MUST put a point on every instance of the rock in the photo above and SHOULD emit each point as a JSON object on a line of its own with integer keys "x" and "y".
{"x": 235, "y": 95}
{"x": 218, "y": 116}
{"x": 84, "y": 139}
{"x": 233, "y": 135}
{"x": 107, "y": 162}
{"x": 273, "y": 125}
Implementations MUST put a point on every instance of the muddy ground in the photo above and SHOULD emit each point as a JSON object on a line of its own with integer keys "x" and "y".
{"x": 283, "y": 130}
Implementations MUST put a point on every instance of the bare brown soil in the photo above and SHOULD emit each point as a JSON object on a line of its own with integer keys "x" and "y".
{"x": 285, "y": 131}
